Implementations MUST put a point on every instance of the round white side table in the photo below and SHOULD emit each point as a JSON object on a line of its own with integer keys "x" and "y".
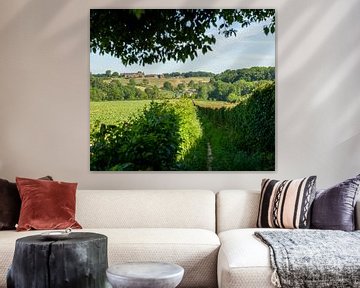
{"x": 145, "y": 275}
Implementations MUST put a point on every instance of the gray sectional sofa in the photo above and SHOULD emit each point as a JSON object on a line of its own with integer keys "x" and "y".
{"x": 209, "y": 234}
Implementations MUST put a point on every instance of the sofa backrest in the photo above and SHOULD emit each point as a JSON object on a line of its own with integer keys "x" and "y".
{"x": 239, "y": 209}
{"x": 236, "y": 209}
{"x": 146, "y": 209}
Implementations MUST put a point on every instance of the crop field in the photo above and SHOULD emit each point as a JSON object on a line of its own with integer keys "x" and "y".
{"x": 114, "y": 112}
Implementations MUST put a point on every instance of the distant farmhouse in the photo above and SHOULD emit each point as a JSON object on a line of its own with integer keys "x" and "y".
{"x": 140, "y": 74}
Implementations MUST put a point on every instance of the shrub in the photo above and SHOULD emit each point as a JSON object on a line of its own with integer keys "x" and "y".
{"x": 243, "y": 136}
{"x": 153, "y": 140}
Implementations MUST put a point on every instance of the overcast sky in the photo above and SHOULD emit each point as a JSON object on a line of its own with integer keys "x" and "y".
{"x": 251, "y": 47}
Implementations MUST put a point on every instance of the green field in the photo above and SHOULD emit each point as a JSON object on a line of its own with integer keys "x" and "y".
{"x": 113, "y": 112}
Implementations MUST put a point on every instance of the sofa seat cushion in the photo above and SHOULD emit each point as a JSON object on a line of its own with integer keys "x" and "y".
{"x": 244, "y": 261}
{"x": 196, "y": 250}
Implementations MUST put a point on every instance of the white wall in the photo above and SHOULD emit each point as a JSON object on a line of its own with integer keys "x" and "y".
{"x": 44, "y": 93}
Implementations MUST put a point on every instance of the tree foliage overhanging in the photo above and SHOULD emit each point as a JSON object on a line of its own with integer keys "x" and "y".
{"x": 139, "y": 36}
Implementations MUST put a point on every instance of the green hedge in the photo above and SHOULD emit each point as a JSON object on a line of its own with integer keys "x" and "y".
{"x": 153, "y": 140}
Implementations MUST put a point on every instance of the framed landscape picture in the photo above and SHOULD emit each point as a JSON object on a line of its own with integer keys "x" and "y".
{"x": 182, "y": 89}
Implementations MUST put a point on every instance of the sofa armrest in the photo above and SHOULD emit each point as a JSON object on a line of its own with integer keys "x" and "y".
{"x": 357, "y": 215}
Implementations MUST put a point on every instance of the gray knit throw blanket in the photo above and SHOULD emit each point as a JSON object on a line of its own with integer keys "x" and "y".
{"x": 313, "y": 258}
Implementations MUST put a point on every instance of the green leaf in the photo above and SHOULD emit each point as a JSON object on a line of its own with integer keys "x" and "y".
{"x": 266, "y": 30}
{"x": 272, "y": 29}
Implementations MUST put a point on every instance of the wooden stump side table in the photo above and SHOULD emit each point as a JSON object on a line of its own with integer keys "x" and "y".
{"x": 78, "y": 261}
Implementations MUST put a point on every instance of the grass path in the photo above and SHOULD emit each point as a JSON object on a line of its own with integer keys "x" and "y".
{"x": 209, "y": 157}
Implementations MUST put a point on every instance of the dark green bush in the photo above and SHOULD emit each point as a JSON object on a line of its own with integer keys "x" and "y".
{"x": 153, "y": 140}
{"x": 259, "y": 119}
{"x": 243, "y": 137}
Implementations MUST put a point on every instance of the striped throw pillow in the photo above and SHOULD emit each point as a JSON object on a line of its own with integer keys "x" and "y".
{"x": 286, "y": 204}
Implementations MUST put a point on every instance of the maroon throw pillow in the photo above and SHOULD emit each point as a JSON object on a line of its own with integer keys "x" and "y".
{"x": 46, "y": 204}
{"x": 10, "y": 204}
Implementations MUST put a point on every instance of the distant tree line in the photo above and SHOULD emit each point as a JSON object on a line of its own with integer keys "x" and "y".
{"x": 114, "y": 90}
{"x": 247, "y": 74}
{"x": 230, "y": 85}
{"x": 189, "y": 74}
